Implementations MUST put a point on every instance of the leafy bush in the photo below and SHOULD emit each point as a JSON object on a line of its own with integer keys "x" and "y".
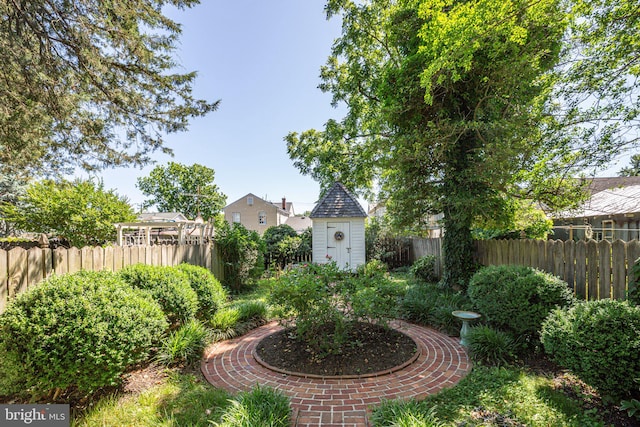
{"x": 242, "y": 252}
{"x": 262, "y": 406}
{"x": 517, "y": 299}
{"x": 319, "y": 296}
{"x": 82, "y": 330}
{"x": 427, "y": 304}
{"x": 489, "y": 346}
{"x": 211, "y": 294}
{"x": 425, "y": 269}
{"x": 634, "y": 284}
{"x": 167, "y": 285}
{"x": 599, "y": 341}
{"x": 373, "y": 268}
{"x": 185, "y": 344}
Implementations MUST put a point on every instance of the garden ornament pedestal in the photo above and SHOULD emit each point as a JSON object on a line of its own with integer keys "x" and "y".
{"x": 466, "y": 317}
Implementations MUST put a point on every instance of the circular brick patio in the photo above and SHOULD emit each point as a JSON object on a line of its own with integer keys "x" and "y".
{"x": 334, "y": 401}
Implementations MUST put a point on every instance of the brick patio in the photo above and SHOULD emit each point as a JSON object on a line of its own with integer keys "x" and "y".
{"x": 334, "y": 401}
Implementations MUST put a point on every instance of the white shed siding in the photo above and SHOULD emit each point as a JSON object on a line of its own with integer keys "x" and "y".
{"x": 358, "y": 252}
{"x": 356, "y": 236}
{"x": 319, "y": 241}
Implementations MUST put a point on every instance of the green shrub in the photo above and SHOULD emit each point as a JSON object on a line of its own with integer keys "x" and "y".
{"x": 489, "y": 346}
{"x": 316, "y": 297}
{"x": 599, "y": 341}
{"x": 82, "y": 330}
{"x": 260, "y": 407}
{"x": 185, "y": 344}
{"x": 633, "y": 294}
{"x": 242, "y": 252}
{"x": 211, "y": 294}
{"x": 167, "y": 285}
{"x": 517, "y": 299}
{"x": 373, "y": 268}
{"x": 425, "y": 269}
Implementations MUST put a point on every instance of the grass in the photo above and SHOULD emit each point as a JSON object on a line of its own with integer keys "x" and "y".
{"x": 491, "y": 396}
{"x": 508, "y": 396}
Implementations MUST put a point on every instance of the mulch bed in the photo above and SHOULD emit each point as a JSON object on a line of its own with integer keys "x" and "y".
{"x": 369, "y": 349}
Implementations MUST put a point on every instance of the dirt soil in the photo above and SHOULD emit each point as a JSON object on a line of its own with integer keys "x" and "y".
{"x": 370, "y": 349}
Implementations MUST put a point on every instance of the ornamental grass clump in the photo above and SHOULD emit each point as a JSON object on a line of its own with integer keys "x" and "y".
{"x": 76, "y": 332}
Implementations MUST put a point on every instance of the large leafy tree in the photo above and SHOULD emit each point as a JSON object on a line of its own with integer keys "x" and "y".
{"x": 11, "y": 188}
{"x": 81, "y": 211}
{"x": 181, "y": 188}
{"x": 633, "y": 169}
{"x": 444, "y": 103}
{"x": 89, "y": 83}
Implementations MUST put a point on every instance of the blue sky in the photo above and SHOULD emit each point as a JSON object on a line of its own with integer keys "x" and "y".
{"x": 262, "y": 59}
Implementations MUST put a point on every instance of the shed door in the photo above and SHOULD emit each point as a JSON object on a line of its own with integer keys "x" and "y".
{"x": 338, "y": 243}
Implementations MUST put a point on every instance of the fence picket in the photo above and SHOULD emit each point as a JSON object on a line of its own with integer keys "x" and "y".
{"x": 21, "y": 269}
{"x": 570, "y": 264}
{"x": 619, "y": 269}
{"x": 604, "y": 269}
{"x": 581, "y": 269}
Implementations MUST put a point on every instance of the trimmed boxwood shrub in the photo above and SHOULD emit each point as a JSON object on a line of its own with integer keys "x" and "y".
{"x": 211, "y": 294}
{"x": 517, "y": 299}
{"x": 599, "y": 341}
{"x": 169, "y": 286}
{"x": 81, "y": 330}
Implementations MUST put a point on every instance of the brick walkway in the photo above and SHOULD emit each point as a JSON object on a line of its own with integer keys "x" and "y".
{"x": 339, "y": 402}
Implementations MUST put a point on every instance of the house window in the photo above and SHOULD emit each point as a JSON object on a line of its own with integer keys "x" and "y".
{"x": 235, "y": 217}
{"x": 250, "y": 201}
{"x": 262, "y": 218}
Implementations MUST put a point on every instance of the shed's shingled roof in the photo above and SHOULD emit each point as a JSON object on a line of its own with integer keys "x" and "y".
{"x": 338, "y": 203}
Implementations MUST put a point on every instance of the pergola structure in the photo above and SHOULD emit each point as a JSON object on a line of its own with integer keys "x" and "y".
{"x": 146, "y": 233}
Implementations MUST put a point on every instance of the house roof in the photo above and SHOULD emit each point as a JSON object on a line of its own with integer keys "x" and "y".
{"x": 161, "y": 216}
{"x": 609, "y": 201}
{"x": 597, "y": 185}
{"x": 338, "y": 202}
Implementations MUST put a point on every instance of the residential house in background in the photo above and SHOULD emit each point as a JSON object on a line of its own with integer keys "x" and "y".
{"x": 258, "y": 214}
{"x": 612, "y": 212}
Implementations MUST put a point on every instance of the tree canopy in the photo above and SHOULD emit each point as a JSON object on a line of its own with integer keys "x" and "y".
{"x": 181, "y": 188}
{"x": 633, "y": 169}
{"x": 89, "y": 83}
{"x": 460, "y": 107}
{"x": 80, "y": 211}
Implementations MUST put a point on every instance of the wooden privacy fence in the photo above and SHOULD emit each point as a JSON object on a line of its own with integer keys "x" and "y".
{"x": 22, "y": 269}
{"x": 594, "y": 270}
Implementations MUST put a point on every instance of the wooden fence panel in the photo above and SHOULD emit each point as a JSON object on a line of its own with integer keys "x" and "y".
{"x": 97, "y": 257}
{"x": 86, "y": 262}
{"x": 108, "y": 258}
{"x": 47, "y": 259}
{"x": 74, "y": 260}
{"x": 35, "y": 270}
{"x": 633, "y": 253}
{"x": 557, "y": 254}
{"x": 581, "y": 269}
{"x": 592, "y": 270}
{"x": 4, "y": 280}
{"x": 542, "y": 255}
{"x": 60, "y": 261}
{"x": 604, "y": 269}
{"x": 118, "y": 256}
{"x": 619, "y": 270}
{"x": 17, "y": 262}
{"x": 570, "y": 264}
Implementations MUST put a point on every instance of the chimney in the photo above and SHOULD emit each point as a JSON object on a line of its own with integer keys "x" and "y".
{"x": 284, "y": 203}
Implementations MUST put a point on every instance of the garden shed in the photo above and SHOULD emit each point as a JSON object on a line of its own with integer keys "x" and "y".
{"x": 338, "y": 229}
